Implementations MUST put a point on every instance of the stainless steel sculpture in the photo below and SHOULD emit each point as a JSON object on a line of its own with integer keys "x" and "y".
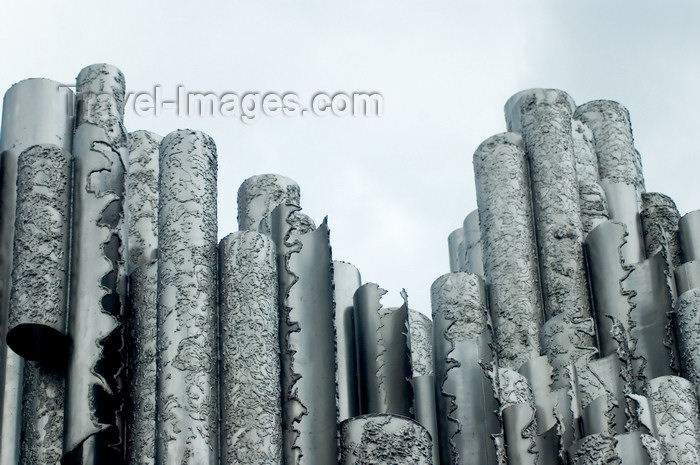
{"x": 251, "y": 412}
{"x": 270, "y": 352}
{"x": 508, "y": 240}
{"x": 383, "y": 439}
{"x": 187, "y": 361}
{"x": 94, "y": 397}
{"x": 383, "y": 355}
{"x": 346, "y": 280}
{"x": 259, "y": 195}
{"x": 38, "y": 300}
{"x": 466, "y": 403}
{"x": 307, "y": 338}
{"x": 35, "y": 111}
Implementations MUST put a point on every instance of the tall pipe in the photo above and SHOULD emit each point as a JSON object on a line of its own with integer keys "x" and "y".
{"x": 251, "y": 412}
{"x": 307, "y": 338}
{"x": 510, "y": 255}
{"x": 187, "y": 362}
{"x": 94, "y": 389}
{"x": 35, "y": 111}
{"x": 346, "y": 280}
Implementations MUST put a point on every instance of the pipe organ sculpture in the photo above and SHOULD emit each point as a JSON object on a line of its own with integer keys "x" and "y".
{"x": 566, "y": 332}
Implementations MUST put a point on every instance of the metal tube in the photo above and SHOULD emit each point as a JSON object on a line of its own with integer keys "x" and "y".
{"x": 689, "y": 235}
{"x": 142, "y": 352}
{"x": 592, "y": 201}
{"x": 307, "y": 339}
{"x": 620, "y": 168}
{"x": 455, "y": 246}
{"x": 688, "y": 332}
{"x": 466, "y": 403}
{"x": 187, "y": 362}
{"x": 38, "y": 300}
{"x": 384, "y": 439}
{"x": 660, "y": 219}
{"x": 94, "y": 397}
{"x": 346, "y": 280}
{"x": 383, "y": 357}
{"x": 510, "y": 255}
{"x": 677, "y": 420}
{"x": 472, "y": 244}
{"x": 420, "y": 332}
{"x": 142, "y": 197}
{"x": 251, "y": 412}
{"x": 545, "y": 121}
{"x": 42, "y": 414}
{"x": 35, "y": 111}
{"x": 259, "y": 195}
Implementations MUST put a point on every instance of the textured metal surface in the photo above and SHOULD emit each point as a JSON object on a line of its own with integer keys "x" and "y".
{"x": 35, "y": 111}
{"x": 259, "y": 195}
{"x": 592, "y": 201}
{"x": 660, "y": 219}
{"x": 142, "y": 197}
{"x": 307, "y": 339}
{"x": 42, "y": 414}
{"x": 456, "y": 249}
{"x": 689, "y": 235}
{"x": 518, "y": 413}
{"x": 420, "y": 332}
{"x": 94, "y": 400}
{"x": 687, "y": 276}
{"x": 545, "y": 121}
{"x": 251, "y": 411}
{"x": 620, "y": 168}
{"x": 466, "y": 403}
{"x": 346, "y": 280}
{"x": 603, "y": 248}
{"x": 652, "y": 295}
{"x": 688, "y": 330}
{"x": 141, "y": 356}
{"x": 472, "y": 245}
{"x": 510, "y": 255}
{"x": 677, "y": 420}
{"x": 607, "y": 412}
{"x": 595, "y": 449}
{"x": 384, "y": 440}
{"x": 38, "y": 300}
{"x": 383, "y": 357}
{"x": 187, "y": 362}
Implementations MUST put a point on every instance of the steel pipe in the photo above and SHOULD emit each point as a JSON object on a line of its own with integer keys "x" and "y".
{"x": 383, "y": 357}
{"x": 38, "y": 300}
{"x": 346, "y": 280}
{"x": 307, "y": 338}
{"x": 510, "y": 255}
{"x": 142, "y": 197}
{"x": 187, "y": 362}
{"x": 251, "y": 412}
{"x": 94, "y": 388}
{"x": 384, "y": 439}
{"x": 35, "y": 111}
{"x": 466, "y": 403}
{"x": 689, "y": 235}
{"x": 660, "y": 219}
{"x": 259, "y": 195}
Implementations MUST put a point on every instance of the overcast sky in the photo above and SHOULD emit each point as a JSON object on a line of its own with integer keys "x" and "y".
{"x": 393, "y": 187}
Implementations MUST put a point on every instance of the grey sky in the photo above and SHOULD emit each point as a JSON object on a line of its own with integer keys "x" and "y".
{"x": 393, "y": 187}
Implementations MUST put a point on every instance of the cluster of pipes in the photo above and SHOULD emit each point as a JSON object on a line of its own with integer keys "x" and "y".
{"x": 564, "y": 332}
